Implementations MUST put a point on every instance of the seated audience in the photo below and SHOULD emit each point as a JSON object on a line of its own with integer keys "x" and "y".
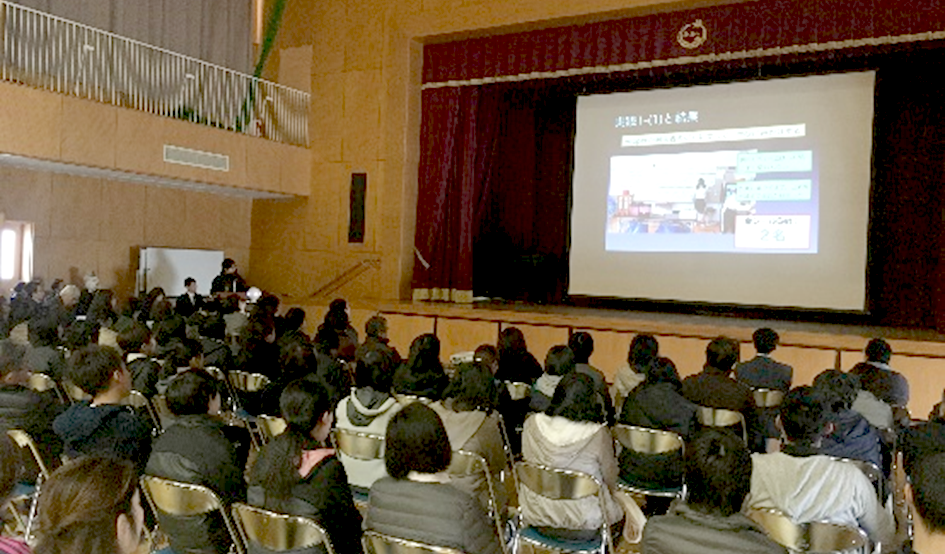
{"x": 375, "y": 331}
{"x": 422, "y": 374}
{"x": 43, "y": 356}
{"x": 199, "y": 448}
{"x": 516, "y": 363}
{"x": 718, "y": 474}
{"x": 927, "y": 490}
{"x": 643, "y": 351}
{"x": 11, "y": 472}
{"x": 878, "y": 378}
{"x": 330, "y": 368}
{"x": 190, "y": 302}
{"x": 102, "y": 426}
{"x": 235, "y": 318}
{"x": 714, "y": 387}
{"x": 657, "y": 404}
{"x": 24, "y": 408}
{"x": 90, "y": 505}
{"x": 809, "y": 487}
{"x": 155, "y": 296}
{"x": 763, "y": 371}
{"x": 558, "y": 362}
{"x": 415, "y": 503}
{"x": 852, "y": 436}
{"x": 183, "y": 355}
{"x": 367, "y": 409}
{"x": 923, "y": 440}
{"x": 469, "y": 414}
{"x": 290, "y": 330}
{"x": 139, "y": 345}
{"x": 259, "y": 352}
{"x": 582, "y": 344}
{"x": 877, "y": 412}
{"x": 298, "y": 473}
{"x": 337, "y": 321}
{"x": 572, "y": 434}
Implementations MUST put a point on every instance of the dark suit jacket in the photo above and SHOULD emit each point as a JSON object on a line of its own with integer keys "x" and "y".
{"x": 715, "y": 389}
{"x": 186, "y": 307}
{"x": 887, "y": 385}
{"x": 762, "y": 372}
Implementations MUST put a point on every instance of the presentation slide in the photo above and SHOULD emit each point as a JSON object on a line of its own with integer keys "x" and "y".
{"x": 749, "y": 193}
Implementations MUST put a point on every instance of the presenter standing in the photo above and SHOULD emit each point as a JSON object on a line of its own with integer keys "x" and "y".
{"x": 229, "y": 280}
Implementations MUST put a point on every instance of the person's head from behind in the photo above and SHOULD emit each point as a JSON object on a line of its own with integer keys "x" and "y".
{"x": 373, "y": 370}
{"x": 376, "y": 327}
{"x": 663, "y": 370}
{"x": 97, "y": 370}
{"x": 766, "y": 340}
{"x": 13, "y": 369}
{"x": 90, "y": 505}
{"x": 337, "y": 316}
{"x": 511, "y": 343}
{"x": 80, "y": 334}
{"x": 722, "y": 353}
{"x": 306, "y": 409}
{"x": 424, "y": 351}
{"x": 416, "y": 440}
{"x": 134, "y": 338}
{"x": 293, "y": 320}
{"x": 575, "y": 398}
{"x": 878, "y": 351}
{"x": 928, "y": 491}
{"x": 327, "y": 342}
{"x": 185, "y": 353}
{"x": 644, "y": 350}
{"x": 582, "y": 344}
{"x": 169, "y": 330}
{"x": 100, "y": 309}
{"x": 805, "y": 415}
{"x": 472, "y": 389}
{"x": 840, "y": 388}
{"x": 559, "y": 361}
{"x": 193, "y": 392}
{"x": 487, "y": 355}
{"x": 718, "y": 472}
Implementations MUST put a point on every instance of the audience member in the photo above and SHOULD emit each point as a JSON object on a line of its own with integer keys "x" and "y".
{"x": 102, "y": 427}
{"x": 923, "y": 440}
{"x": 330, "y": 368}
{"x": 11, "y": 472}
{"x": 643, "y": 351}
{"x": 23, "y": 408}
{"x": 368, "y": 409}
{"x": 558, "y": 362}
{"x": 422, "y": 374}
{"x": 582, "y": 344}
{"x": 809, "y": 487}
{"x": 878, "y": 378}
{"x": 199, "y": 448}
{"x": 516, "y": 363}
{"x": 572, "y": 435}
{"x": 469, "y": 414}
{"x": 375, "y": 338}
{"x": 852, "y": 436}
{"x": 43, "y": 356}
{"x": 415, "y": 503}
{"x": 763, "y": 371}
{"x": 90, "y": 505}
{"x": 337, "y": 321}
{"x": 927, "y": 490}
{"x": 718, "y": 474}
{"x": 138, "y": 345}
{"x": 190, "y": 302}
{"x": 713, "y": 387}
{"x": 290, "y": 330}
{"x": 229, "y": 279}
{"x": 298, "y": 473}
{"x": 656, "y": 404}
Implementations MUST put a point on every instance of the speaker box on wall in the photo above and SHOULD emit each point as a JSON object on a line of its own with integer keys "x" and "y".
{"x": 356, "y": 222}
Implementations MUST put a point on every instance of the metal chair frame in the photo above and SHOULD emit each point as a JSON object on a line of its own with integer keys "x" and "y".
{"x": 40, "y": 382}
{"x": 816, "y": 536}
{"x": 648, "y": 441}
{"x": 465, "y": 464}
{"x": 166, "y": 496}
{"x": 139, "y": 401}
{"x": 360, "y": 446}
{"x": 720, "y": 417}
{"x": 560, "y": 484}
{"x": 269, "y": 427}
{"x": 378, "y": 543}
{"x": 22, "y": 439}
{"x": 278, "y": 532}
{"x": 767, "y": 398}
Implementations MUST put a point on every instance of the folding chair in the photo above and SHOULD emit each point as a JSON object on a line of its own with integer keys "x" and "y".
{"x": 377, "y": 543}
{"x": 40, "y": 382}
{"x": 140, "y": 402}
{"x": 720, "y": 417}
{"x": 518, "y": 391}
{"x": 177, "y": 499}
{"x": 404, "y": 399}
{"x": 817, "y": 536}
{"x": 468, "y": 464}
{"x": 244, "y": 382}
{"x": 24, "y": 492}
{"x": 649, "y": 441}
{"x": 74, "y": 393}
{"x": 277, "y": 532}
{"x": 767, "y": 398}
{"x": 269, "y": 427}
{"x": 559, "y": 484}
{"x": 360, "y": 446}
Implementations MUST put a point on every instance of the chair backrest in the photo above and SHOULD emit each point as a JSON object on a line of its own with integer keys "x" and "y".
{"x": 270, "y": 426}
{"x": 404, "y": 399}
{"x": 75, "y": 393}
{"x": 518, "y": 391}
{"x": 40, "y": 382}
{"x": 818, "y": 536}
{"x": 462, "y": 357}
{"x": 248, "y": 382}
{"x": 278, "y": 532}
{"x": 647, "y": 441}
{"x": 358, "y": 445}
{"x": 139, "y": 401}
{"x": 175, "y": 498}
{"x": 377, "y": 543}
{"x": 561, "y": 484}
{"x": 159, "y": 401}
{"x": 465, "y": 464}
{"x": 767, "y": 398}
{"x": 23, "y": 440}
{"x": 720, "y": 417}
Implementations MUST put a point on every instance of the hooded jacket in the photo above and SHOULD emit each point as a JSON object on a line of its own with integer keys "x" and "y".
{"x": 686, "y": 531}
{"x": 582, "y": 446}
{"x": 853, "y": 438}
{"x": 542, "y": 392}
{"x": 366, "y": 411}
{"x": 107, "y": 430}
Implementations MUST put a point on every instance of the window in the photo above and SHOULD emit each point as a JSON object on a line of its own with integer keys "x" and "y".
{"x": 16, "y": 251}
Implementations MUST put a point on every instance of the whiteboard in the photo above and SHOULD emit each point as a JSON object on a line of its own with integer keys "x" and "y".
{"x": 168, "y": 267}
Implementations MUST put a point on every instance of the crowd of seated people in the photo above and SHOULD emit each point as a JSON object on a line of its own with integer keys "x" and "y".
{"x": 425, "y": 411}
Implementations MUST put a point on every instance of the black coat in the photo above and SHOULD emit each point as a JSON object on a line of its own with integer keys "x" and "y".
{"x": 33, "y": 412}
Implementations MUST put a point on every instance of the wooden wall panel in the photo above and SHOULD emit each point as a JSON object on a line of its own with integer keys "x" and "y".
{"x": 849, "y": 359}
{"x": 77, "y": 208}
{"x": 687, "y": 353}
{"x": 459, "y": 335}
{"x": 89, "y": 132}
{"x": 807, "y": 362}
{"x": 403, "y": 329}
{"x": 610, "y": 351}
{"x": 926, "y": 378}
{"x": 30, "y": 122}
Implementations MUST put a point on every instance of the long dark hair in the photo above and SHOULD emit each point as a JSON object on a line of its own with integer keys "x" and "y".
{"x": 303, "y": 403}
{"x": 100, "y": 309}
{"x": 576, "y": 399}
{"x": 472, "y": 389}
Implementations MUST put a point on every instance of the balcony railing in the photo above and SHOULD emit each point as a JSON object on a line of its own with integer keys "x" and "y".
{"x": 58, "y": 55}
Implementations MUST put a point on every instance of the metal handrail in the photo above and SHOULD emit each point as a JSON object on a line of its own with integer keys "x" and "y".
{"x": 58, "y": 55}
